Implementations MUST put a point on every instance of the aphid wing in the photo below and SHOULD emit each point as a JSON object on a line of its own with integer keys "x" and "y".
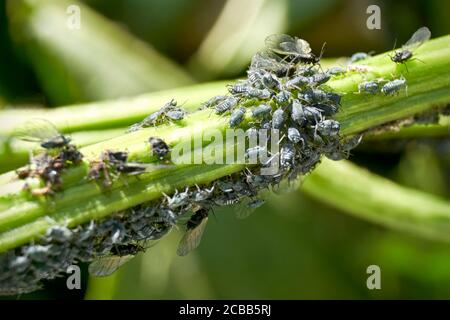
{"x": 242, "y": 210}
{"x": 191, "y": 239}
{"x": 419, "y": 37}
{"x": 36, "y": 130}
{"x": 280, "y": 43}
{"x": 105, "y": 266}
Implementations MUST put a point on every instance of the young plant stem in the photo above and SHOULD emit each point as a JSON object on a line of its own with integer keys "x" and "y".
{"x": 25, "y": 218}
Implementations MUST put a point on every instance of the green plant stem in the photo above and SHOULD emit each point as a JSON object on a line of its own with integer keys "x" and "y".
{"x": 80, "y": 201}
{"x": 379, "y": 200}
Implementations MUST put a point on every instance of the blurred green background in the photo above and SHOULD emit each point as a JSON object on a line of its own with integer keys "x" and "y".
{"x": 293, "y": 247}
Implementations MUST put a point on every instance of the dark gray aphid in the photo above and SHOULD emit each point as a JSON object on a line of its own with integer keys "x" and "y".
{"x": 226, "y": 105}
{"x": 176, "y": 115}
{"x": 358, "y": 56}
{"x": 261, "y": 110}
{"x": 159, "y": 147}
{"x": 325, "y": 109}
{"x": 213, "y": 102}
{"x": 195, "y": 228}
{"x": 238, "y": 88}
{"x": 297, "y": 50}
{"x": 319, "y": 78}
{"x": 283, "y": 97}
{"x": 263, "y": 94}
{"x": 271, "y": 81}
{"x": 278, "y": 119}
{"x": 336, "y": 71}
{"x": 297, "y": 112}
{"x": 394, "y": 86}
{"x": 371, "y": 87}
{"x": 237, "y": 117}
{"x": 287, "y": 156}
{"x": 178, "y": 199}
{"x": 298, "y": 82}
{"x": 295, "y": 136}
{"x": 328, "y": 127}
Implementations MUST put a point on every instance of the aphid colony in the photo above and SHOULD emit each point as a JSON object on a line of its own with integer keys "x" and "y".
{"x": 49, "y": 165}
{"x": 285, "y": 90}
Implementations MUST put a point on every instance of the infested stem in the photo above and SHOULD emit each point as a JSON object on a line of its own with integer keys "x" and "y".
{"x": 80, "y": 200}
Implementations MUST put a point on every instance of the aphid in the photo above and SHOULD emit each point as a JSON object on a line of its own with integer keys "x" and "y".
{"x": 176, "y": 115}
{"x": 336, "y": 71}
{"x": 71, "y": 154}
{"x": 259, "y": 93}
{"x": 418, "y": 38}
{"x": 131, "y": 168}
{"x": 296, "y": 49}
{"x": 238, "y": 88}
{"x": 297, "y": 112}
{"x": 42, "y": 131}
{"x": 315, "y": 95}
{"x": 255, "y": 152}
{"x": 261, "y": 110}
{"x": 287, "y": 155}
{"x": 159, "y": 147}
{"x": 394, "y": 86}
{"x": 202, "y": 194}
{"x": 99, "y": 169}
{"x": 160, "y": 116}
{"x": 298, "y": 81}
{"x": 120, "y": 254}
{"x": 319, "y": 78}
{"x": 278, "y": 119}
{"x": 20, "y": 264}
{"x": 226, "y": 105}
{"x": 328, "y": 127}
{"x": 116, "y": 156}
{"x": 334, "y": 98}
{"x": 23, "y": 173}
{"x": 212, "y": 102}
{"x": 295, "y": 136}
{"x": 283, "y": 97}
{"x": 358, "y": 68}
{"x": 271, "y": 81}
{"x": 178, "y": 199}
{"x": 237, "y": 117}
{"x": 371, "y": 87}
{"x": 37, "y": 253}
{"x": 44, "y": 191}
{"x": 358, "y": 56}
{"x": 59, "y": 234}
{"x": 195, "y": 228}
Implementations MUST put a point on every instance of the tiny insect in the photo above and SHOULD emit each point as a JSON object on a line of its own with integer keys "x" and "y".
{"x": 287, "y": 155}
{"x": 178, "y": 199}
{"x": 271, "y": 81}
{"x": 159, "y": 147}
{"x": 283, "y": 97}
{"x": 295, "y": 136}
{"x": 319, "y": 78}
{"x": 328, "y": 127}
{"x": 261, "y": 110}
{"x": 237, "y": 117}
{"x": 297, "y": 82}
{"x": 24, "y": 173}
{"x": 238, "y": 88}
{"x": 325, "y": 109}
{"x": 226, "y": 105}
{"x": 176, "y": 115}
{"x": 259, "y": 93}
{"x": 336, "y": 71}
{"x": 195, "y": 228}
{"x": 371, "y": 87}
{"x": 160, "y": 116}
{"x": 278, "y": 118}
{"x": 297, "y": 112}
{"x": 358, "y": 56}
{"x": 131, "y": 168}
{"x": 42, "y": 131}
{"x": 394, "y": 86}
{"x": 97, "y": 170}
{"x": 212, "y": 102}
{"x": 202, "y": 194}
{"x": 120, "y": 254}
{"x": 418, "y": 38}
{"x": 292, "y": 47}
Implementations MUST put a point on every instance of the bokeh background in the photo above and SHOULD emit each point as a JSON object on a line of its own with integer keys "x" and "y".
{"x": 293, "y": 247}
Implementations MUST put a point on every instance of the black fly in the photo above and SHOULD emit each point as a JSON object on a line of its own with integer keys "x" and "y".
{"x": 42, "y": 131}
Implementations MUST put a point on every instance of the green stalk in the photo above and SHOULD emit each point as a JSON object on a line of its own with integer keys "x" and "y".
{"x": 80, "y": 201}
{"x": 379, "y": 200}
